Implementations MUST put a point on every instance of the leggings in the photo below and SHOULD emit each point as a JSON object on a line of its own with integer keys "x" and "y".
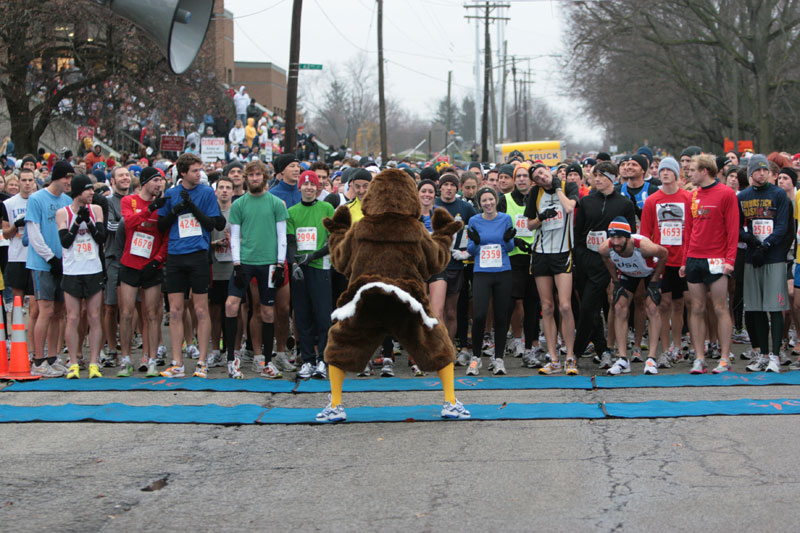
{"x": 486, "y": 285}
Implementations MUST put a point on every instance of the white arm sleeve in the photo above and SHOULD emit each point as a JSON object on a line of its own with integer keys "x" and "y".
{"x": 236, "y": 243}
{"x": 281, "y": 227}
{"x": 36, "y": 240}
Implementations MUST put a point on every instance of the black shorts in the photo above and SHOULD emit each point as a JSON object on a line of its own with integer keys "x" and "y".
{"x": 18, "y": 277}
{"x": 83, "y": 285}
{"x": 631, "y": 283}
{"x": 455, "y": 281}
{"x": 552, "y": 264}
{"x": 522, "y": 283}
{"x": 218, "y": 292}
{"x": 131, "y": 276}
{"x": 697, "y": 271}
{"x": 438, "y": 277}
{"x": 673, "y": 282}
{"x": 188, "y": 271}
{"x": 266, "y": 294}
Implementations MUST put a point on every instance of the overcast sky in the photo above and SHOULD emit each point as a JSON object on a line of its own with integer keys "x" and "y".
{"x": 423, "y": 40}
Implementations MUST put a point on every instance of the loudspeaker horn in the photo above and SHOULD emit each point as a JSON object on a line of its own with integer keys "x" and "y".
{"x": 177, "y": 26}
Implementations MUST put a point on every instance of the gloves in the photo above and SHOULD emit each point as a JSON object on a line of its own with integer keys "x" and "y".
{"x": 158, "y": 203}
{"x": 180, "y": 206}
{"x": 654, "y": 292}
{"x": 297, "y": 273}
{"x": 238, "y": 277}
{"x": 556, "y": 183}
{"x": 302, "y": 260}
{"x": 619, "y": 290}
{"x": 459, "y": 255}
{"x": 277, "y": 276}
{"x": 185, "y": 197}
{"x": 83, "y": 215}
{"x": 548, "y": 213}
{"x": 523, "y": 246}
{"x": 509, "y": 234}
{"x": 751, "y": 240}
{"x": 55, "y": 266}
{"x": 150, "y": 270}
{"x": 758, "y": 256}
{"x": 472, "y": 233}
{"x": 20, "y": 222}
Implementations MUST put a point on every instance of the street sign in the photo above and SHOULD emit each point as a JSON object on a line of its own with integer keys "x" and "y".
{"x": 172, "y": 143}
{"x": 212, "y": 148}
{"x": 85, "y": 131}
{"x": 309, "y": 66}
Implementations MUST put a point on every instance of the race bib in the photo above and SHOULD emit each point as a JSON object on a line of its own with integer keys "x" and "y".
{"x": 672, "y": 233}
{"x": 223, "y": 254}
{"x": 326, "y": 262}
{"x": 521, "y": 224}
{"x": 188, "y": 226}
{"x": 594, "y": 239}
{"x": 142, "y": 244}
{"x": 491, "y": 256}
{"x": 715, "y": 265}
{"x": 762, "y": 228}
{"x": 556, "y": 222}
{"x": 306, "y": 239}
{"x": 84, "y": 248}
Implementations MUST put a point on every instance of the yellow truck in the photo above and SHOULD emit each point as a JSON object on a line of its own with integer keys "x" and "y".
{"x": 550, "y": 152}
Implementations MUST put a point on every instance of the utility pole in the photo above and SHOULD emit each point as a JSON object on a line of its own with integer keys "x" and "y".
{"x": 516, "y": 101}
{"x": 447, "y": 126}
{"x": 290, "y": 139}
{"x": 487, "y": 7}
{"x": 502, "y": 132}
{"x": 381, "y": 98}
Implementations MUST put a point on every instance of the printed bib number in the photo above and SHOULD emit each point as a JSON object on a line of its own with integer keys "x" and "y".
{"x": 594, "y": 239}
{"x": 715, "y": 265}
{"x": 188, "y": 226}
{"x": 762, "y": 228}
{"x": 672, "y": 233}
{"x": 556, "y": 222}
{"x": 142, "y": 244}
{"x": 223, "y": 254}
{"x": 491, "y": 256}
{"x": 84, "y": 248}
{"x": 306, "y": 239}
{"x": 521, "y": 224}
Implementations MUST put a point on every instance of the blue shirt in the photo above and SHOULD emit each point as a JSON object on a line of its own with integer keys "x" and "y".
{"x": 42, "y": 207}
{"x": 491, "y": 232}
{"x": 204, "y": 198}
{"x": 290, "y": 194}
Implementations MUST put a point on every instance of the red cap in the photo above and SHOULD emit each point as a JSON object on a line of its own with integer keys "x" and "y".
{"x": 308, "y": 175}
{"x": 795, "y": 156}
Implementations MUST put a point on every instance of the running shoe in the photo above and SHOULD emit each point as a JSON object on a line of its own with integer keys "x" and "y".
{"x": 714, "y": 351}
{"x": 367, "y": 370}
{"x": 137, "y": 341}
{"x": 417, "y": 371}
{"x": 60, "y": 367}
{"x": 529, "y": 359}
{"x": 636, "y": 357}
{"x": 489, "y": 351}
{"x": 215, "y": 359}
{"x": 332, "y": 414}
{"x": 454, "y": 410}
{"x": 192, "y": 352}
{"x": 589, "y": 351}
{"x": 108, "y": 359}
{"x": 396, "y": 348}
{"x": 201, "y": 370}
{"x": 152, "y": 369}
{"x": 795, "y": 365}
{"x": 143, "y": 363}
{"x": 572, "y": 367}
{"x": 126, "y": 370}
{"x": 698, "y": 367}
{"x": 462, "y": 358}
{"x": 664, "y": 360}
{"x": 748, "y": 355}
{"x": 74, "y": 372}
{"x": 650, "y": 366}
{"x": 174, "y": 371}
{"x": 740, "y": 336}
{"x": 246, "y": 355}
{"x": 758, "y": 364}
{"x": 551, "y": 368}
{"x": 161, "y": 355}
{"x": 46, "y": 371}
{"x": 305, "y": 371}
{"x": 387, "y": 370}
{"x": 94, "y": 372}
{"x": 722, "y": 366}
{"x": 475, "y": 364}
{"x": 258, "y": 363}
{"x": 321, "y": 371}
{"x": 785, "y": 360}
{"x": 281, "y": 360}
{"x": 620, "y": 366}
{"x": 271, "y": 371}
{"x": 774, "y": 364}
{"x": 605, "y": 359}
{"x": 234, "y": 369}
{"x": 516, "y": 347}
{"x": 499, "y": 368}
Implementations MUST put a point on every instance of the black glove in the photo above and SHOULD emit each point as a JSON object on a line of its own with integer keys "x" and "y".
{"x": 302, "y": 260}
{"x": 185, "y": 197}
{"x": 523, "y": 246}
{"x": 758, "y": 256}
{"x": 277, "y": 276}
{"x": 297, "y": 273}
{"x": 238, "y": 277}
{"x": 150, "y": 270}
{"x": 158, "y": 203}
{"x": 472, "y": 233}
{"x": 55, "y": 266}
{"x": 83, "y": 215}
{"x": 556, "y": 184}
{"x": 180, "y": 206}
{"x": 509, "y": 234}
{"x": 654, "y": 292}
{"x": 751, "y": 240}
{"x": 619, "y": 290}
{"x": 548, "y": 213}
{"x": 20, "y": 222}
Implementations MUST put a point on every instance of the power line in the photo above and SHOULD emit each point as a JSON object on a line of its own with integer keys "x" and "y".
{"x": 276, "y": 4}
{"x": 253, "y": 41}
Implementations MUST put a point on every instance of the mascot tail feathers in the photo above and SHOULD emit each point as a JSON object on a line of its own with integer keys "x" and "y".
{"x": 349, "y": 309}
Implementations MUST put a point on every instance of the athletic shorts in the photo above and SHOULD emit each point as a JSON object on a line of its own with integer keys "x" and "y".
{"x": 673, "y": 282}
{"x": 697, "y": 271}
{"x": 131, "y": 276}
{"x": 631, "y": 283}
{"x": 188, "y": 271}
{"x": 455, "y": 280}
{"x": 522, "y": 283}
{"x": 18, "y": 277}
{"x": 765, "y": 288}
{"x": 47, "y": 287}
{"x": 112, "y": 271}
{"x": 218, "y": 292}
{"x": 82, "y": 285}
{"x": 441, "y": 276}
{"x": 552, "y": 264}
{"x": 266, "y": 294}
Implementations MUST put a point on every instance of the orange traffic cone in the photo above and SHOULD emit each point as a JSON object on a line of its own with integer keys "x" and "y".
{"x": 3, "y": 348}
{"x": 19, "y": 368}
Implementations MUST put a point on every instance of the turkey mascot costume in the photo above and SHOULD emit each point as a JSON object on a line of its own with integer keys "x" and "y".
{"x": 387, "y": 256}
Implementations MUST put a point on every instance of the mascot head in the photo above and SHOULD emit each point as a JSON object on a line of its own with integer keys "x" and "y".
{"x": 392, "y": 191}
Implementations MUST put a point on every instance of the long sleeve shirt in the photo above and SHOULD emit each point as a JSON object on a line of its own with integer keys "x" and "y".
{"x": 715, "y": 224}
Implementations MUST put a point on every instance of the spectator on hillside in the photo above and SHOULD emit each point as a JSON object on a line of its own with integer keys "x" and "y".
{"x": 240, "y": 101}
{"x": 237, "y": 135}
{"x": 252, "y": 110}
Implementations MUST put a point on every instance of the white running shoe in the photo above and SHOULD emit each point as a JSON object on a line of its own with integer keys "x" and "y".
{"x": 321, "y": 371}
{"x": 305, "y": 371}
{"x": 234, "y": 369}
{"x": 475, "y": 364}
{"x": 46, "y": 371}
{"x": 462, "y": 358}
{"x": 281, "y": 360}
{"x": 215, "y": 359}
{"x": 387, "y": 370}
{"x": 774, "y": 364}
{"x": 271, "y": 371}
{"x": 758, "y": 364}
{"x": 454, "y": 410}
{"x": 650, "y": 366}
{"x": 259, "y": 361}
{"x": 620, "y": 366}
{"x": 499, "y": 368}
{"x": 516, "y": 347}
{"x": 332, "y": 414}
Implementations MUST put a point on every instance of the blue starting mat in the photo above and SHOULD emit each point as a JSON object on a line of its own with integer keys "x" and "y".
{"x": 725, "y": 379}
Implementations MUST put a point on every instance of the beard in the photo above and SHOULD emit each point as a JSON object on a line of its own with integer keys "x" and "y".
{"x": 257, "y": 189}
